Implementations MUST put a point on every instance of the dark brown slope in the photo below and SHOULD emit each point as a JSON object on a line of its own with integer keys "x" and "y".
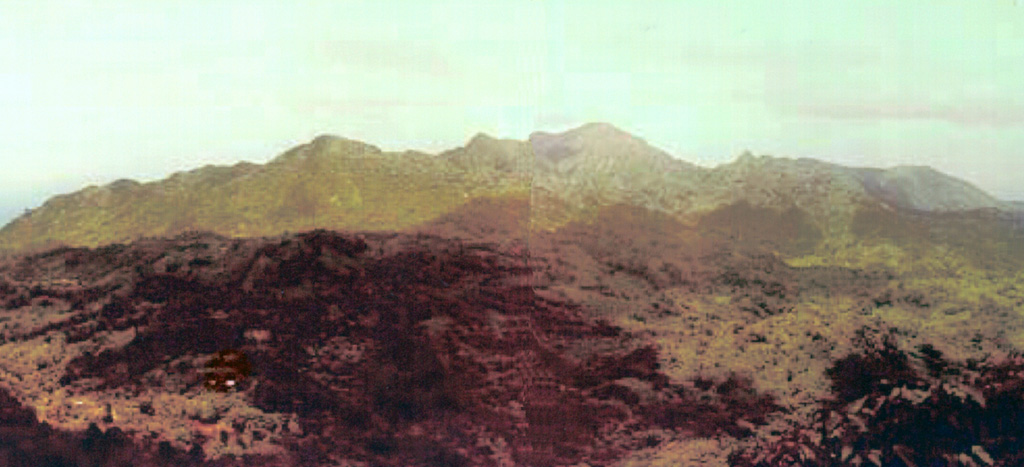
{"x": 892, "y": 407}
{"x": 26, "y": 442}
{"x": 390, "y": 349}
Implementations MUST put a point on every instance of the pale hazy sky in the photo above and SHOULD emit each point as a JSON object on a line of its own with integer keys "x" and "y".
{"x": 92, "y": 91}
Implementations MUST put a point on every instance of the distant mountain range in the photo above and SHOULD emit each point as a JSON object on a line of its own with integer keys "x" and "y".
{"x": 337, "y": 183}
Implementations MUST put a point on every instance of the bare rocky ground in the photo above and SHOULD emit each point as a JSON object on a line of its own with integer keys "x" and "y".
{"x": 627, "y": 339}
{"x": 575, "y": 299}
{"x": 330, "y": 349}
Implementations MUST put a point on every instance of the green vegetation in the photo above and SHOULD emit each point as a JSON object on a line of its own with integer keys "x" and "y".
{"x": 329, "y": 183}
{"x": 771, "y": 269}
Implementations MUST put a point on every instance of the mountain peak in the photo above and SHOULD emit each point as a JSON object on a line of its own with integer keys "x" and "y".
{"x": 745, "y": 157}
{"x": 484, "y": 151}
{"x": 327, "y": 144}
{"x": 601, "y": 148}
{"x": 325, "y": 138}
{"x": 920, "y": 170}
{"x": 481, "y": 138}
{"x": 598, "y": 131}
{"x": 589, "y": 138}
{"x": 335, "y": 142}
{"x": 600, "y": 128}
{"x": 923, "y": 188}
{"x": 485, "y": 143}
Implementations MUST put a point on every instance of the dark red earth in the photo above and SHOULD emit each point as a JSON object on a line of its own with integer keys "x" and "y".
{"x": 392, "y": 349}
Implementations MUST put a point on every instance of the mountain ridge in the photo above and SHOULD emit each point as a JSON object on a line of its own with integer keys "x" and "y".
{"x": 336, "y": 182}
{"x": 344, "y": 305}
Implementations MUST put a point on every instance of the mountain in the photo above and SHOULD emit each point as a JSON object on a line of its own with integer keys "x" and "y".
{"x": 485, "y": 153}
{"x": 338, "y": 183}
{"x": 578, "y": 298}
{"x": 329, "y": 182}
{"x": 599, "y": 164}
{"x": 597, "y": 148}
{"x": 925, "y": 189}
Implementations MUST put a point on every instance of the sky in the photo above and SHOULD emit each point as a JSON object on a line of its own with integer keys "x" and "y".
{"x": 93, "y": 91}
